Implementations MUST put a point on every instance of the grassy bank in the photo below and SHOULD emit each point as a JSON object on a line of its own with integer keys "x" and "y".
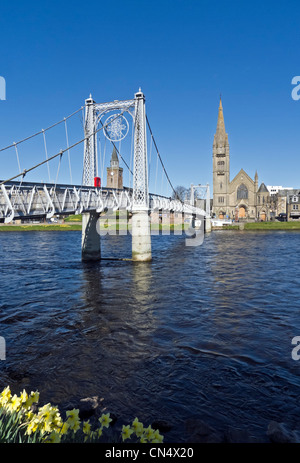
{"x": 263, "y": 226}
{"x": 71, "y": 226}
{"x": 74, "y": 218}
{"x": 41, "y": 227}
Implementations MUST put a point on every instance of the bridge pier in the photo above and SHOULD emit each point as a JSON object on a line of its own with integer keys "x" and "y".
{"x": 90, "y": 239}
{"x": 141, "y": 236}
{"x": 207, "y": 224}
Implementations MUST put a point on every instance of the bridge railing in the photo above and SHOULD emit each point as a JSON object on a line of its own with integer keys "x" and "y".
{"x": 29, "y": 200}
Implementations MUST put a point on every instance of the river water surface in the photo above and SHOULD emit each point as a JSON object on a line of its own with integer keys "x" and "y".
{"x": 199, "y": 332}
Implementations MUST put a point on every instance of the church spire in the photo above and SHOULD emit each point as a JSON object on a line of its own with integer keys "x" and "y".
{"x": 220, "y": 124}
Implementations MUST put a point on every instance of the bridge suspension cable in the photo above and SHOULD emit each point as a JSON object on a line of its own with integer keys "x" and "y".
{"x": 41, "y": 131}
{"x": 161, "y": 161}
{"x": 62, "y": 151}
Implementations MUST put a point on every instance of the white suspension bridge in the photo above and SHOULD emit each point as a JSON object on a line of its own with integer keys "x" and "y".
{"x": 20, "y": 199}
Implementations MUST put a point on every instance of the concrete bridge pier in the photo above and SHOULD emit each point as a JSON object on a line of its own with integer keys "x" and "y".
{"x": 141, "y": 236}
{"x": 90, "y": 240}
{"x": 207, "y": 224}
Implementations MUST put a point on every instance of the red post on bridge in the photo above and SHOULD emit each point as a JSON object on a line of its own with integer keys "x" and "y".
{"x": 97, "y": 182}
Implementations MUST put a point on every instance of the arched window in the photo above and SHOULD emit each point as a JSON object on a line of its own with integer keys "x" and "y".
{"x": 242, "y": 192}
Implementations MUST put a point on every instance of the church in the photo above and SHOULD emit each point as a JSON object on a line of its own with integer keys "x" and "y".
{"x": 239, "y": 198}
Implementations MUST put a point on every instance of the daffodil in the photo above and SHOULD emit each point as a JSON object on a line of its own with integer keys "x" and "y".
{"x": 86, "y": 428}
{"x": 5, "y": 396}
{"x": 126, "y": 432}
{"x": 138, "y": 427}
{"x": 24, "y": 396}
{"x": 64, "y": 428}
{"x": 15, "y": 403}
{"x": 29, "y": 415}
{"x": 157, "y": 437}
{"x": 105, "y": 420}
{"x": 73, "y": 419}
{"x": 47, "y": 427}
{"x": 35, "y": 396}
{"x": 32, "y": 426}
{"x": 148, "y": 433}
{"x": 73, "y": 414}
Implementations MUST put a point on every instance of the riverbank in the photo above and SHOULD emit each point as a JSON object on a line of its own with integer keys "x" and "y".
{"x": 261, "y": 226}
{"x": 74, "y": 224}
{"x": 41, "y": 227}
{"x": 77, "y": 226}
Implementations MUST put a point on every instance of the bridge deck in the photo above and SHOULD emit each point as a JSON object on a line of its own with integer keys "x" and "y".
{"x": 32, "y": 200}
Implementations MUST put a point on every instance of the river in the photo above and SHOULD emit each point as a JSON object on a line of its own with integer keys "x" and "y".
{"x": 200, "y": 332}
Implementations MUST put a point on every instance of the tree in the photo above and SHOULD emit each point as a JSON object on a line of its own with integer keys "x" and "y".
{"x": 180, "y": 193}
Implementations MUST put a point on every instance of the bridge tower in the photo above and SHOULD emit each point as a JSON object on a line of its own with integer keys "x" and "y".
{"x": 141, "y": 239}
{"x": 90, "y": 239}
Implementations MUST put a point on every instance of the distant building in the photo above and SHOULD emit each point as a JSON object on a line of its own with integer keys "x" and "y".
{"x": 293, "y": 205}
{"x": 273, "y": 190}
{"x": 114, "y": 172}
{"x": 240, "y": 198}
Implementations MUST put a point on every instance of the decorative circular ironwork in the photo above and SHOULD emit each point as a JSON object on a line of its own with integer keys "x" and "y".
{"x": 116, "y": 127}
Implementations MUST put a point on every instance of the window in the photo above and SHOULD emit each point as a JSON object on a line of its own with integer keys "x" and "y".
{"x": 221, "y": 199}
{"x": 294, "y": 199}
{"x": 295, "y": 207}
{"x": 221, "y": 163}
{"x": 242, "y": 192}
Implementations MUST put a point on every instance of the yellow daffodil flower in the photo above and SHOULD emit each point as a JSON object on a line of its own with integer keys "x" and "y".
{"x": 24, "y": 396}
{"x": 126, "y": 432}
{"x": 86, "y": 428}
{"x": 73, "y": 419}
{"x": 157, "y": 437}
{"x": 138, "y": 427}
{"x": 148, "y": 433}
{"x": 15, "y": 403}
{"x": 64, "y": 428}
{"x": 105, "y": 420}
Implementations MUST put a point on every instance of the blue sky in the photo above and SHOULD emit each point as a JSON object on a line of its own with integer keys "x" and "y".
{"x": 183, "y": 54}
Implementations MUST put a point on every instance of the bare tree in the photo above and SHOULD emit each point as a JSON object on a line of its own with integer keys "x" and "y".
{"x": 180, "y": 193}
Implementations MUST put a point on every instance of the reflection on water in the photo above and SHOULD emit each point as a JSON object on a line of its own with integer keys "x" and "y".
{"x": 199, "y": 331}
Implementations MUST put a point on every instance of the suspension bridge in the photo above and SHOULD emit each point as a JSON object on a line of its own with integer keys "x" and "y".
{"x": 20, "y": 199}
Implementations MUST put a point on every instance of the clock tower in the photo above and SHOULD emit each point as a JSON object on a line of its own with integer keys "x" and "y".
{"x": 114, "y": 172}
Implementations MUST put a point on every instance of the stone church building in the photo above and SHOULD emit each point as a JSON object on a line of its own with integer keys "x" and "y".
{"x": 239, "y": 198}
